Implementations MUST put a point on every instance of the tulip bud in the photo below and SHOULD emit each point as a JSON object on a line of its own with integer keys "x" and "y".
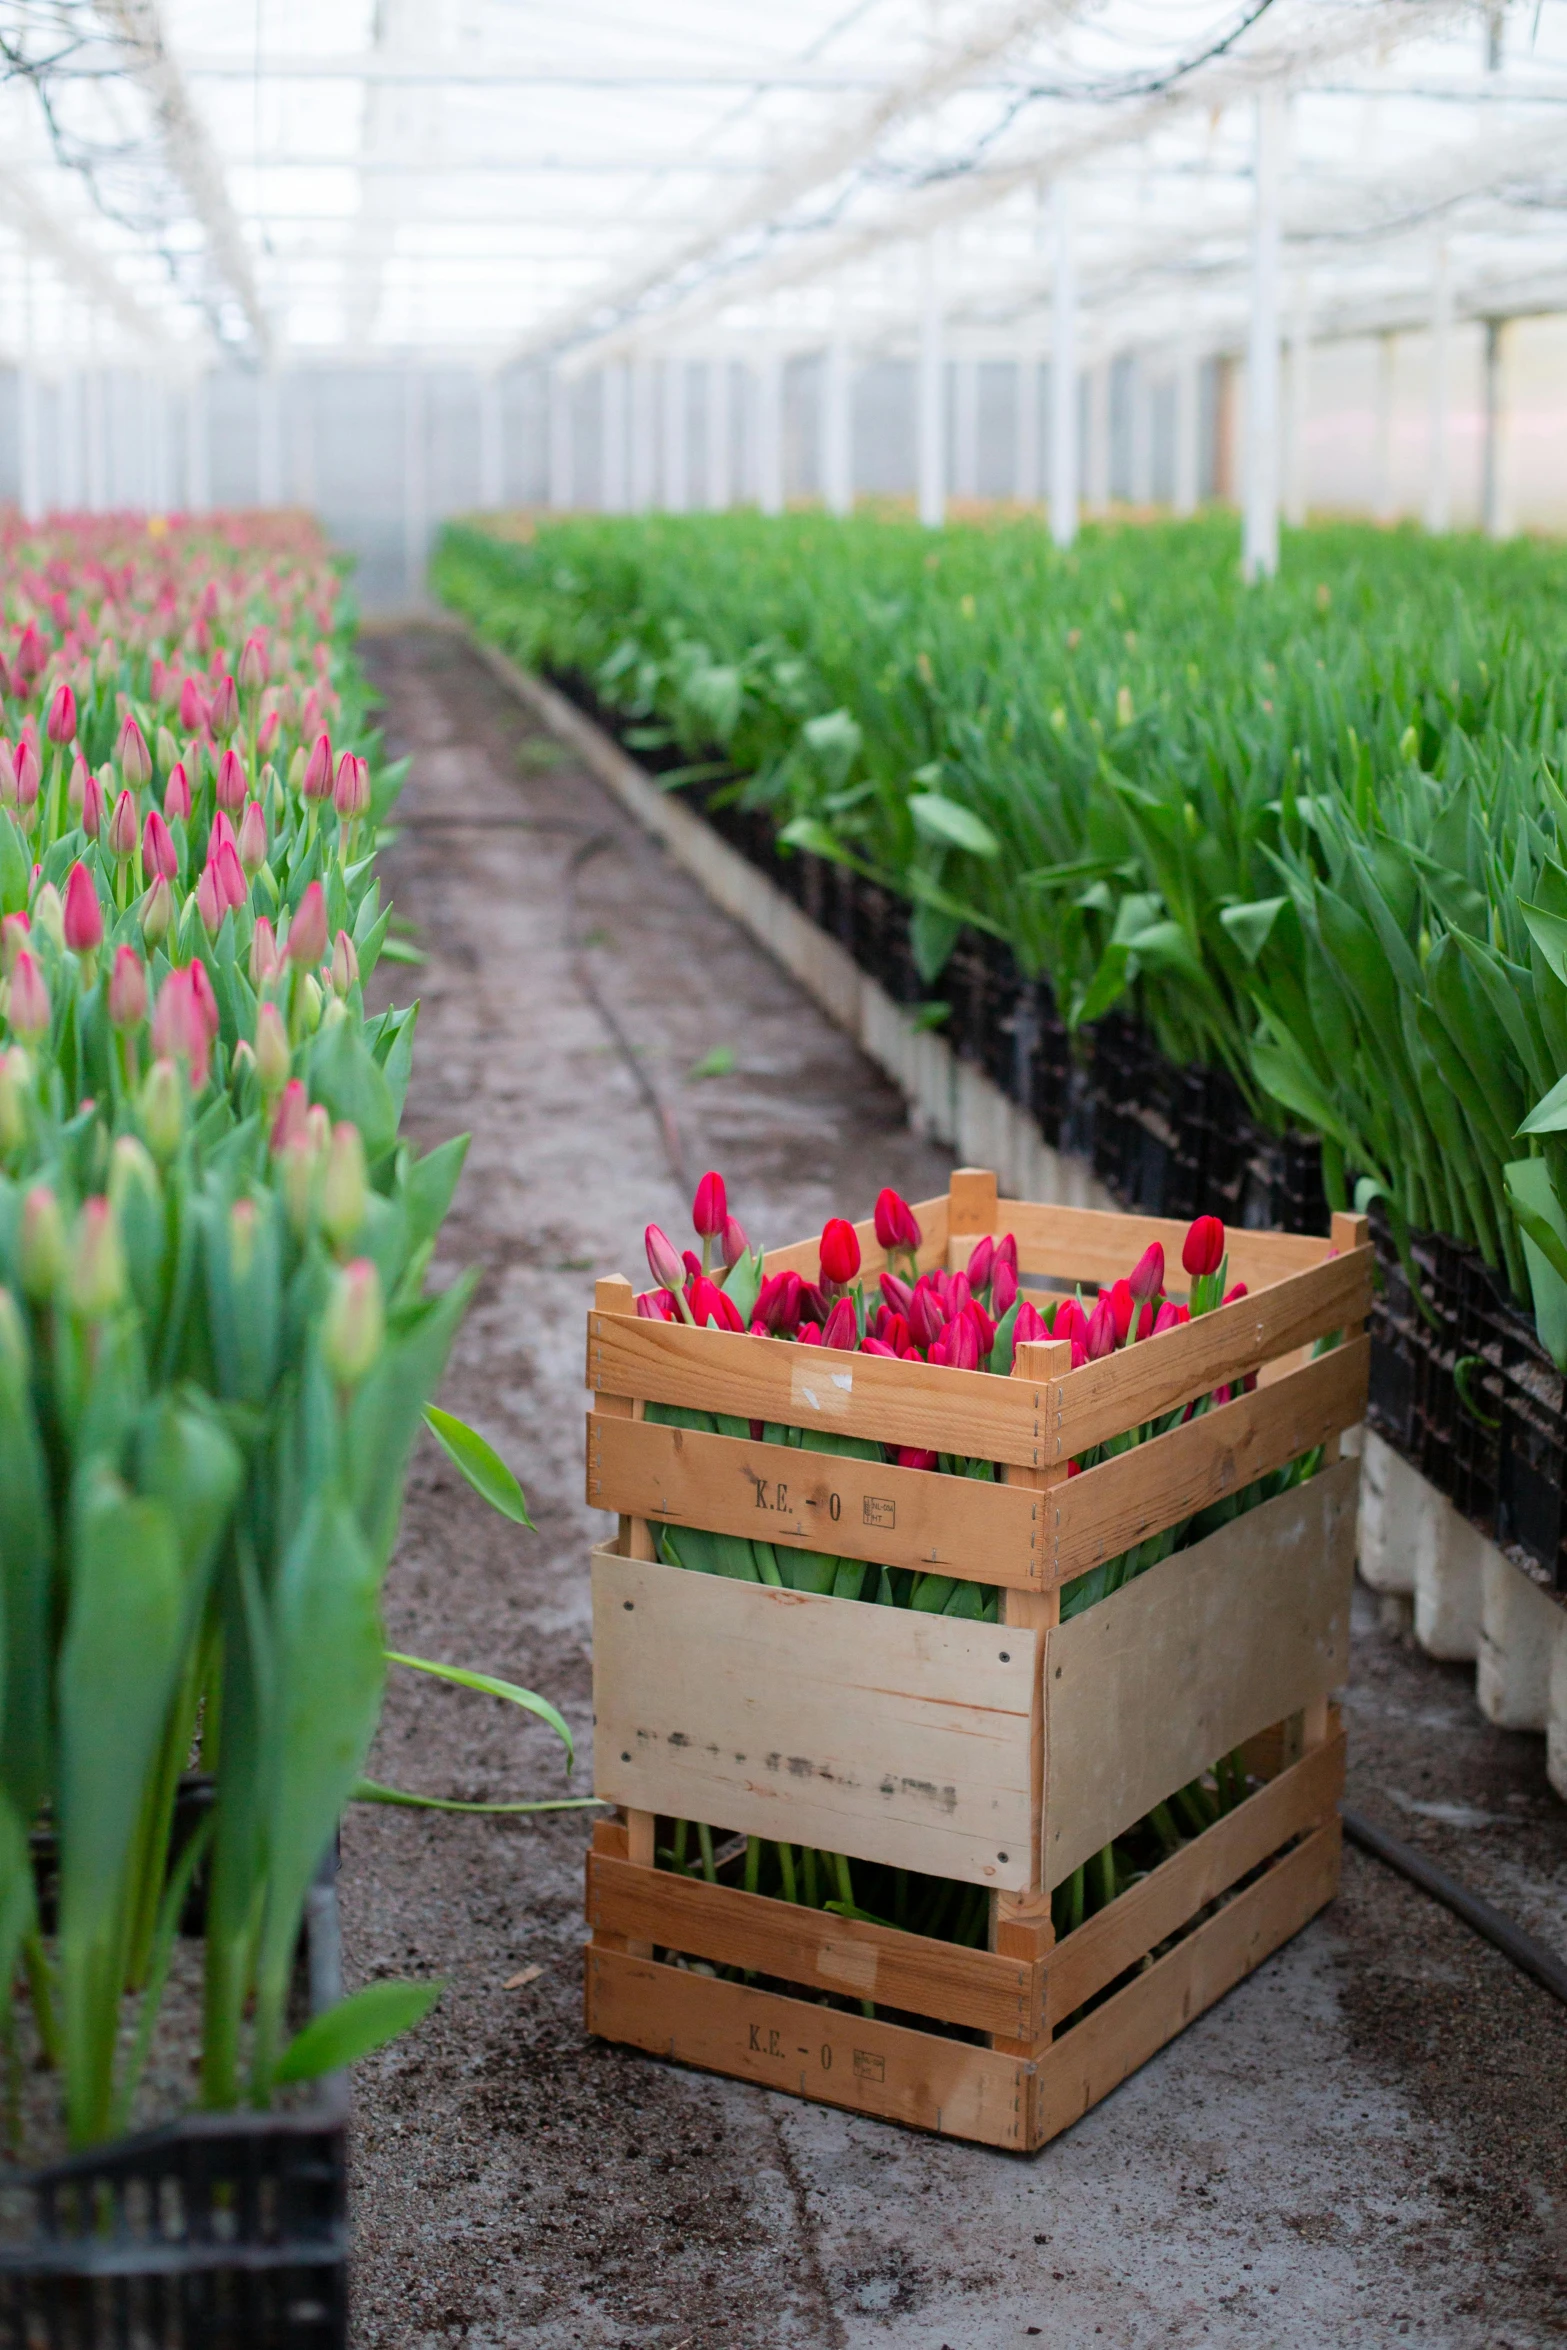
{"x": 926, "y": 1319}
{"x": 176, "y": 793}
{"x": 1003, "y": 1287}
{"x": 345, "y": 792}
{"x": 41, "y": 1252}
{"x": 29, "y": 776}
{"x": 778, "y": 1302}
{"x": 663, "y": 1262}
{"x": 15, "y": 1076}
{"x": 1170, "y": 1316}
{"x": 307, "y": 932}
{"x": 193, "y": 708}
{"x": 1203, "y": 1250}
{"x": 242, "y": 1237}
{"x": 97, "y": 1262}
{"x": 61, "y": 726}
{"x": 123, "y": 828}
{"x": 840, "y": 1252}
{"x": 958, "y": 1345}
{"x": 345, "y": 1188}
{"x": 231, "y": 782}
{"x": 1101, "y": 1337}
{"x": 29, "y": 1009}
{"x": 915, "y": 1456}
{"x": 31, "y": 654}
{"x": 354, "y": 1326}
{"x": 158, "y": 853}
{"x": 896, "y": 1224}
{"x": 310, "y": 1002}
{"x": 83, "y": 914}
{"x": 898, "y": 1294}
{"x": 710, "y": 1207}
{"x": 842, "y": 1330}
{"x": 316, "y": 782}
{"x": 223, "y": 709}
{"x": 168, "y": 750}
{"x": 288, "y": 1126}
{"x": 15, "y": 1354}
{"x": 296, "y": 769}
{"x": 135, "y": 758}
{"x": 162, "y": 1109}
{"x": 1147, "y": 1275}
{"x": 1238, "y": 1289}
{"x": 130, "y": 1168}
{"x": 732, "y": 1244}
{"x": 1006, "y": 1251}
{"x": 253, "y": 665}
{"x": 709, "y": 1304}
{"x": 211, "y": 905}
{"x": 271, "y": 1051}
{"x": 265, "y": 961}
{"x": 49, "y": 914}
{"x": 233, "y": 888}
{"x": 1070, "y": 1320}
{"x": 127, "y": 990}
{"x": 1029, "y": 1327}
{"x": 252, "y": 840}
{"x": 980, "y": 1262}
{"x": 268, "y": 731}
{"x": 156, "y": 912}
{"x": 93, "y": 805}
{"x": 1122, "y": 1305}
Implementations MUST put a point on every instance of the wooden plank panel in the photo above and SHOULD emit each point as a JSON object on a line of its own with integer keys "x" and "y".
{"x": 888, "y": 2070}
{"x": 732, "y": 1928}
{"x": 728, "y": 1371}
{"x": 804, "y": 1256}
{"x": 816, "y": 1501}
{"x": 1138, "y": 1493}
{"x": 1150, "y": 1911}
{"x": 873, "y": 1731}
{"x": 1086, "y": 1244}
{"x": 1123, "y": 1390}
{"x": 1146, "y": 1689}
{"x": 1098, "y": 2054}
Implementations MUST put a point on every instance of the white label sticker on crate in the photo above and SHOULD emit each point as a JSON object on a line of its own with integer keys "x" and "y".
{"x": 824, "y": 1394}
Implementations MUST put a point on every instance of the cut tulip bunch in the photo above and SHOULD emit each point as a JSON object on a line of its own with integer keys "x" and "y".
{"x": 969, "y": 1321}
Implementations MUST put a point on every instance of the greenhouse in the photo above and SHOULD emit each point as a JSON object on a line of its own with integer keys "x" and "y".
{"x": 842, "y": 734}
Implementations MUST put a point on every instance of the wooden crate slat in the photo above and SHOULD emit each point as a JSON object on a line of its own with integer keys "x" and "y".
{"x": 1301, "y": 1797}
{"x": 1137, "y": 1493}
{"x": 1096, "y": 1245}
{"x": 749, "y": 1378}
{"x": 1099, "y": 2053}
{"x": 872, "y": 1731}
{"x": 1144, "y": 1381}
{"x": 1149, "y": 1686}
{"x": 815, "y": 1501}
{"x": 911, "y": 1972}
{"x": 889, "y": 2070}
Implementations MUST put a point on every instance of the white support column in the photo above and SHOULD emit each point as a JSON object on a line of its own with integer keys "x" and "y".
{"x": 930, "y": 439}
{"x": 965, "y": 428}
{"x": 68, "y": 442}
{"x": 1439, "y": 491}
{"x": 644, "y": 444}
{"x": 198, "y": 445}
{"x": 612, "y": 425}
{"x": 1140, "y": 386}
{"x": 769, "y": 434}
{"x": 269, "y": 441}
{"x": 677, "y": 470}
{"x": 1495, "y": 519}
{"x": 95, "y": 408}
{"x": 1188, "y": 422}
{"x": 560, "y": 395}
{"x": 1296, "y": 386}
{"x": 1096, "y": 458}
{"x": 155, "y": 426}
{"x": 1260, "y": 535}
{"x": 1064, "y": 464}
{"x": 416, "y": 519}
{"x": 29, "y": 448}
{"x": 718, "y": 426}
{"x": 492, "y": 445}
{"x": 1383, "y": 504}
{"x": 1025, "y": 428}
{"x": 837, "y": 429}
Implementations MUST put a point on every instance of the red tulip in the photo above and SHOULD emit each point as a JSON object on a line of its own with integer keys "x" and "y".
{"x": 897, "y": 1227}
{"x": 127, "y": 989}
{"x": 1203, "y": 1250}
{"x": 898, "y": 1294}
{"x": 975, "y": 1313}
{"x": 1147, "y": 1275}
{"x": 1120, "y": 1301}
{"x": 840, "y": 1252}
{"x": 732, "y": 1243}
{"x": 980, "y": 1262}
{"x": 710, "y": 1207}
{"x": 1239, "y": 1290}
{"x": 958, "y": 1345}
{"x": 663, "y": 1263}
{"x": 29, "y": 1006}
{"x": 842, "y": 1330}
{"x": 814, "y": 1301}
{"x": 914, "y": 1456}
{"x": 1006, "y": 1251}
{"x": 1029, "y": 1327}
{"x": 1003, "y": 1287}
{"x": 778, "y": 1301}
{"x": 176, "y": 793}
{"x": 158, "y": 853}
{"x": 1101, "y": 1337}
{"x": 896, "y": 1334}
{"x": 656, "y": 1305}
{"x": 1070, "y": 1320}
{"x": 1170, "y": 1316}
{"x": 808, "y": 1334}
{"x": 709, "y": 1304}
{"x": 83, "y": 914}
{"x": 874, "y": 1346}
{"x": 307, "y": 932}
{"x": 692, "y": 1263}
{"x": 61, "y": 726}
{"x": 926, "y": 1319}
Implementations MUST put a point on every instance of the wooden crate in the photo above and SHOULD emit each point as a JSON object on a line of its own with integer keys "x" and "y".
{"x": 1000, "y": 1755}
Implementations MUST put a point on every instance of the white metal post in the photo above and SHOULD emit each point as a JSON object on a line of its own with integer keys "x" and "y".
{"x": 1383, "y": 505}
{"x": 1096, "y": 465}
{"x": 1188, "y": 405}
{"x": 1439, "y": 493}
{"x": 769, "y": 434}
{"x": 1063, "y": 374}
{"x": 612, "y": 425}
{"x": 965, "y": 428}
{"x": 643, "y": 437}
{"x": 1141, "y": 389}
{"x": 1493, "y": 499}
{"x": 155, "y": 425}
{"x": 560, "y": 395}
{"x": 198, "y": 445}
{"x": 1260, "y": 538}
{"x": 677, "y": 471}
{"x": 1296, "y": 388}
{"x": 415, "y": 487}
{"x": 1025, "y": 428}
{"x": 931, "y": 417}
{"x": 837, "y": 430}
{"x": 718, "y": 426}
{"x": 492, "y": 446}
{"x": 269, "y": 438}
{"x": 95, "y": 411}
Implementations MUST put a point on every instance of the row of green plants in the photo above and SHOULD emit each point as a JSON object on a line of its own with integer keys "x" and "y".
{"x": 217, "y": 1343}
{"x": 1309, "y": 832}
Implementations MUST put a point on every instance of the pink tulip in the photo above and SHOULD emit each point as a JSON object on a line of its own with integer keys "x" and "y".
{"x": 253, "y": 664}
{"x": 980, "y": 1263}
{"x": 176, "y": 793}
{"x": 135, "y": 758}
{"x": 157, "y": 912}
{"x": 732, "y": 1242}
{"x": 1003, "y": 1287}
{"x": 345, "y": 964}
{"x": 223, "y": 709}
{"x": 83, "y": 914}
{"x": 958, "y": 1345}
{"x": 898, "y": 1294}
{"x": 351, "y": 792}
{"x": 158, "y": 853}
{"x": 1101, "y": 1336}
{"x": 123, "y": 828}
{"x": 231, "y": 782}
{"x": 317, "y": 783}
{"x": 29, "y": 775}
{"x": 92, "y": 812}
{"x": 663, "y": 1260}
{"x": 180, "y": 1029}
{"x": 267, "y": 733}
{"x": 1006, "y": 1251}
{"x": 1029, "y": 1327}
{"x": 307, "y": 932}
{"x": 253, "y": 838}
{"x": 1147, "y": 1275}
{"x": 127, "y": 990}
{"x": 222, "y": 830}
{"x": 29, "y": 1006}
{"x": 656, "y": 1305}
{"x": 62, "y": 716}
{"x": 288, "y": 1126}
{"x": 211, "y": 904}
{"x": 232, "y": 884}
{"x": 265, "y": 960}
{"x": 30, "y": 656}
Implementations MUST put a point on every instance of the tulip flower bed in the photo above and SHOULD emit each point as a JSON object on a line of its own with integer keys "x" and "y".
{"x": 215, "y": 1350}
{"x": 962, "y": 1857}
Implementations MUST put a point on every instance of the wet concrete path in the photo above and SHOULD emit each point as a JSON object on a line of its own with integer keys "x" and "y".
{"x": 1365, "y": 2143}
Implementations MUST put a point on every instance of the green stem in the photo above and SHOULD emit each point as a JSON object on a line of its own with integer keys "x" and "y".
{"x": 704, "y": 1838}
{"x": 785, "y": 1854}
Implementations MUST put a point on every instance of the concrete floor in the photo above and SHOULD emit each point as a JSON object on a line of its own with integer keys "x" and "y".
{"x": 1365, "y": 2143}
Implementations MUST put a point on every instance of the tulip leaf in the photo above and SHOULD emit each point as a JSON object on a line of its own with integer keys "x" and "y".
{"x": 372, "y": 1791}
{"x": 951, "y": 825}
{"x": 486, "y": 1685}
{"x": 1549, "y": 1116}
{"x": 809, "y": 834}
{"x": 1549, "y": 932}
{"x": 480, "y": 1463}
{"x": 1252, "y": 926}
{"x": 364, "y": 2021}
{"x": 1543, "y": 1222}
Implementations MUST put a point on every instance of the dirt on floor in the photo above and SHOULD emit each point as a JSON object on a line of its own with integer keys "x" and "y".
{"x": 1366, "y": 2142}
